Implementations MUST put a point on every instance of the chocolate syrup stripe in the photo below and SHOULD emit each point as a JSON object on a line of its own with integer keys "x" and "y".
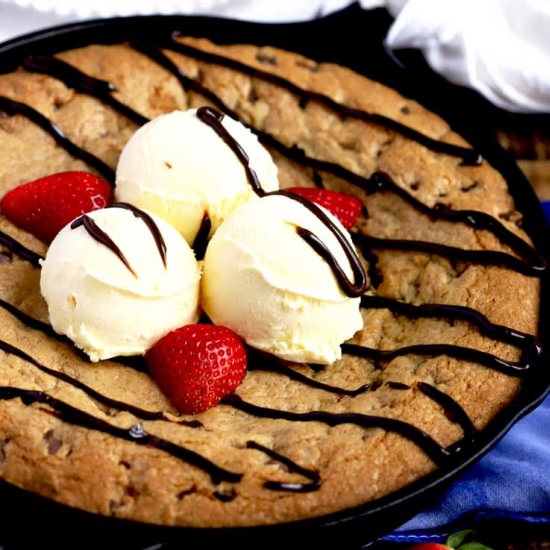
{"x": 31, "y": 322}
{"x": 201, "y": 239}
{"x": 510, "y": 368}
{"x": 483, "y": 257}
{"x": 472, "y": 218}
{"x": 452, "y": 409}
{"x": 433, "y": 449}
{"x": 378, "y": 181}
{"x": 20, "y": 250}
{"x": 312, "y": 475}
{"x": 150, "y": 224}
{"x": 468, "y": 155}
{"x": 213, "y": 118}
{"x": 15, "y": 108}
{"x": 352, "y": 288}
{"x": 81, "y": 82}
{"x": 135, "y": 433}
{"x": 101, "y": 237}
{"x": 534, "y": 263}
{"x": 486, "y": 327}
{"x": 261, "y": 361}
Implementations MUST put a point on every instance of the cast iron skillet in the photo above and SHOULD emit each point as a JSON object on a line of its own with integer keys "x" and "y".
{"x": 352, "y": 37}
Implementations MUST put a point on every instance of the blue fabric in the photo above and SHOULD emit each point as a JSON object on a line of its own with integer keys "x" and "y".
{"x": 511, "y": 481}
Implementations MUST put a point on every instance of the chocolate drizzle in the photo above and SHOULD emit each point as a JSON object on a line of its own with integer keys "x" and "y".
{"x": 74, "y": 78}
{"x": 535, "y": 264}
{"x": 101, "y": 237}
{"x": 483, "y": 257}
{"x": 213, "y": 118}
{"x": 453, "y": 411}
{"x": 135, "y": 362}
{"x": 151, "y": 225}
{"x": 201, "y": 239}
{"x": 22, "y": 251}
{"x": 263, "y": 361}
{"x": 30, "y": 321}
{"x": 312, "y": 475}
{"x": 187, "y": 83}
{"x": 511, "y": 368}
{"x": 12, "y": 107}
{"x": 497, "y": 332}
{"x": 351, "y": 288}
{"x": 435, "y": 451}
{"x": 225, "y": 496}
{"x": 135, "y": 433}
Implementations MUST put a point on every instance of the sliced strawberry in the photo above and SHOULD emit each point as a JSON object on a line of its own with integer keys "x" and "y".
{"x": 196, "y": 365}
{"x": 346, "y": 208}
{"x": 44, "y": 206}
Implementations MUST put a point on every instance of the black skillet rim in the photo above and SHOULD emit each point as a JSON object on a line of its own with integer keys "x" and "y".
{"x": 310, "y": 39}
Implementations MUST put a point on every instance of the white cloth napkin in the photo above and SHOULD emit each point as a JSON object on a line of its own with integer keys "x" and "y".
{"x": 258, "y": 10}
{"x": 499, "y": 47}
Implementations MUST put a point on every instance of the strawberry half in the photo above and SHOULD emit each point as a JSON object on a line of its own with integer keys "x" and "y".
{"x": 346, "y": 208}
{"x": 44, "y": 206}
{"x": 196, "y": 365}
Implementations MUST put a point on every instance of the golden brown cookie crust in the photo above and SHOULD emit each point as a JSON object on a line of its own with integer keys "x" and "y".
{"x": 90, "y": 470}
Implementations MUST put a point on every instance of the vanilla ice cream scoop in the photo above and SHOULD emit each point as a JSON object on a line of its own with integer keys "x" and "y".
{"x": 265, "y": 281}
{"x": 180, "y": 168}
{"x": 118, "y": 279}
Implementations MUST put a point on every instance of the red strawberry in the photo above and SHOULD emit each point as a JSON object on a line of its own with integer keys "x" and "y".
{"x": 44, "y": 206}
{"x": 196, "y": 365}
{"x": 346, "y": 208}
{"x": 430, "y": 546}
{"x": 461, "y": 540}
